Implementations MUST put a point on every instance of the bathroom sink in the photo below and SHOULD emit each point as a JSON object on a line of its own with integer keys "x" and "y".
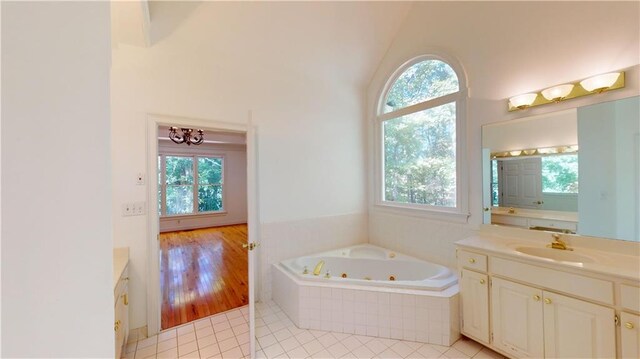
{"x": 556, "y": 254}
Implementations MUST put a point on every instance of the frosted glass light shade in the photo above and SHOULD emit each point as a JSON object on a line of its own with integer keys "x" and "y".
{"x": 600, "y": 83}
{"x": 557, "y": 93}
{"x": 523, "y": 101}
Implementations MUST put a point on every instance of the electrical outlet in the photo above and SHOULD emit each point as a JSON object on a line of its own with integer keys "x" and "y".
{"x": 139, "y": 208}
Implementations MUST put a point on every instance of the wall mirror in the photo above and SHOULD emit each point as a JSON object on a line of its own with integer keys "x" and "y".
{"x": 571, "y": 171}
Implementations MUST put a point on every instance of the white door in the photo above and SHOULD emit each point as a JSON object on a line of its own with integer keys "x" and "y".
{"x": 630, "y": 335}
{"x": 516, "y": 313}
{"x": 253, "y": 227}
{"x": 486, "y": 186}
{"x": 522, "y": 183}
{"x": 577, "y": 329}
{"x": 475, "y": 305}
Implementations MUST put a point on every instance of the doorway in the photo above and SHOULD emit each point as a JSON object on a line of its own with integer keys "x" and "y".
{"x": 202, "y": 209}
{"x": 210, "y": 243}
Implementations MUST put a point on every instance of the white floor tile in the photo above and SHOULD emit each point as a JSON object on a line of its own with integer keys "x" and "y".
{"x": 209, "y": 351}
{"x": 168, "y": 354}
{"x": 467, "y": 346}
{"x": 282, "y": 334}
{"x": 327, "y": 340}
{"x": 167, "y": 344}
{"x": 402, "y": 348}
{"x": 362, "y": 352}
{"x": 338, "y": 350}
{"x": 187, "y": 348}
{"x": 289, "y": 343}
{"x": 304, "y": 337}
{"x": 297, "y": 353}
{"x": 207, "y": 341}
{"x": 227, "y": 344}
{"x": 313, "y": 347}
{"x": 273, "y": 350}
{"x": 453, "y": 353}
{"x": 376, "y": 346}
{"x": 224, "y": 334}
{"x": 234, "y": 353}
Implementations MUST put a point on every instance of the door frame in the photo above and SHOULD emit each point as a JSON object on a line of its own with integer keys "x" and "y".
{"x": 154, "y": 296}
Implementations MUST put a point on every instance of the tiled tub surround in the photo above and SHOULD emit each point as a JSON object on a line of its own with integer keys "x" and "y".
{"x": 426, "y": 316}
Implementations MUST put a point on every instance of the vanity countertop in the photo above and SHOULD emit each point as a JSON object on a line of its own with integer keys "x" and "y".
{"x": 607, "y": 263}
{"x": 120, "y": 261}
{"x": 538, "y": 214}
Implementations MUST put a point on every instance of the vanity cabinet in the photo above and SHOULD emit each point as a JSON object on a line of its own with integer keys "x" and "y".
{"x": 528, "y": 310}
{"x": 475, "y": 304}
{"x": 120, "y": 299}
{"x": 630, "y": 335}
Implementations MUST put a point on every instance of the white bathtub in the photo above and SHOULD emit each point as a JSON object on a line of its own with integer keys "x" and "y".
{"x": 370, "y": 265}
{"x": 421, "y": 304}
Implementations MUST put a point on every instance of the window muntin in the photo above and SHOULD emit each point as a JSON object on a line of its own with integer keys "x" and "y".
{"x": 420, "y": 157}
{"x": 188, "y": 180}
{"x": 423, "y": 81}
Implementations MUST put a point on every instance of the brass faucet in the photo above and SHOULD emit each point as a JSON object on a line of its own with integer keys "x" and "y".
{"x": 558, "y": 243}
{"x": 318, "y": 268}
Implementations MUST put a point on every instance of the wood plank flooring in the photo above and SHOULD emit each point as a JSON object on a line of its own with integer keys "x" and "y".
{"x": 202, "y": 272}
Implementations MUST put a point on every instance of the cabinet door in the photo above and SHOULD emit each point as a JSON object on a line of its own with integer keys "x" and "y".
{"x": 516, "y": 313}
{"x": 577, "y": 329}
{"x": 630, "y": 335}
{"x": 475, "y": 305}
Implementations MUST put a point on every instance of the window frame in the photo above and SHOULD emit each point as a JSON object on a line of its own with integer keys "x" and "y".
{"x": 195, "y": 185}
{"x": 459, "y": 213}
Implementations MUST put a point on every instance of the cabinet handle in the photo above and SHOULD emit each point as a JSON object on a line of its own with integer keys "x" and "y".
{"x": 547, "y": 300}
{"x": 472, "y": 260}
{"x": 125, "y": 299}
{"x": 628, "y": 325}
{"x": 536, "y": 297}
{"x": 482, "y": 281}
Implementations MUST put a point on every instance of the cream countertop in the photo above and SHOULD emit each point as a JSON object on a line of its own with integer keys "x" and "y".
{"x": 537, "y": 213}
{"x": 120, "y": 261}
{"x": 608, "y": 263}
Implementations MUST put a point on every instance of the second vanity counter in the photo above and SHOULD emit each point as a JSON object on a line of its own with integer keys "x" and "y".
{"x": 524, "y": 299}
{"x": 607, "y": 263}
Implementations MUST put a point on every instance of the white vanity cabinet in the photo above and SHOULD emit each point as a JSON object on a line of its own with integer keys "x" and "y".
{"x": 532, "y": 310}
{"x": 120, "y": 299}
{"x": 475, "y": 304}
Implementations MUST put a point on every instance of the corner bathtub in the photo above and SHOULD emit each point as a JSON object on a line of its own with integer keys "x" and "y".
{"x": 369, "y": 290}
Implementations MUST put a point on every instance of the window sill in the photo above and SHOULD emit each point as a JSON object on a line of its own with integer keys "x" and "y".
{"x": 193, "y": 215}
{"x": 428, "y": 213}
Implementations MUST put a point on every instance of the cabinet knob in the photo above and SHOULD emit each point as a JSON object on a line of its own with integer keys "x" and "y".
{"x": 482, "y": 281}
{"x": 547, "y": 300}
{"x": 536, "y": 297}
{"x": 116, "y": 326}
{"x": 628, "y": 325}
{"x": 472, "y": 260}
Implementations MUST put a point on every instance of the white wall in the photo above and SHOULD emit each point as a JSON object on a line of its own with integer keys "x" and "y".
{"x": 57, "y": 285}
{"x": 301, "y": 68}
{"x": 504, "y": 54}
{"x": 234, "y": 185}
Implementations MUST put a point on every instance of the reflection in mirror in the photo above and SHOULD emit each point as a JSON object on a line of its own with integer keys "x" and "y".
{"x": 574, "y": 171}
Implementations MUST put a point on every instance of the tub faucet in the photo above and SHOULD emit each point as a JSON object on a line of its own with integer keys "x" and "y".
{"x": 318, "y": 268}
{"x": 558, "y": 243}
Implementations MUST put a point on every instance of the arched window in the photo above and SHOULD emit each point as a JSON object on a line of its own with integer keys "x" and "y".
{"x": 421, "y": 138}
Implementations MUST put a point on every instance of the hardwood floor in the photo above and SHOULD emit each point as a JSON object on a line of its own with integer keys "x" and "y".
{"x": 202, "y": 272}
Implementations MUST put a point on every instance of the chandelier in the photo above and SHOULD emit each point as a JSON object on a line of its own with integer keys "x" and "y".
{"x": 187, "y": 136}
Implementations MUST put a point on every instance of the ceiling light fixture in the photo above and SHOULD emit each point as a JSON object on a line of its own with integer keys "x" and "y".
{"x": 187, "y": 136}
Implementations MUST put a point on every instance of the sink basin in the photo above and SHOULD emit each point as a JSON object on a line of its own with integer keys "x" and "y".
{"x": 556, "y": 254}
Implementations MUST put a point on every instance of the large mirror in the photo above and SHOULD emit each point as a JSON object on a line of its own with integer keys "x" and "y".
{"x": 572, "y": 171}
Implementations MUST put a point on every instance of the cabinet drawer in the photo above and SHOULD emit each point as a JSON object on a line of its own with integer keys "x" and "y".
{"x": 509, "y": 220}
{"x": 472, "y": 260}
{"x": 534, "y": 222}
{"x": 577, "y": 285}
{"x": 121, "y": 285}
{"x": 630, "y": 297}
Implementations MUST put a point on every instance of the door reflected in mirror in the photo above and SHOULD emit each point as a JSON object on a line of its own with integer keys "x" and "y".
{"x": 592, "y": 190}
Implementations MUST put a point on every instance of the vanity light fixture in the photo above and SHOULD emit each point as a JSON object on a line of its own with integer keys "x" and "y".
{"x": 544, "y": 151}
{"x": 592, "y": 85}
{"x": 557, "y": 93}
{"x": 600, "y": 83}
{"x": 521, "y": 102}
